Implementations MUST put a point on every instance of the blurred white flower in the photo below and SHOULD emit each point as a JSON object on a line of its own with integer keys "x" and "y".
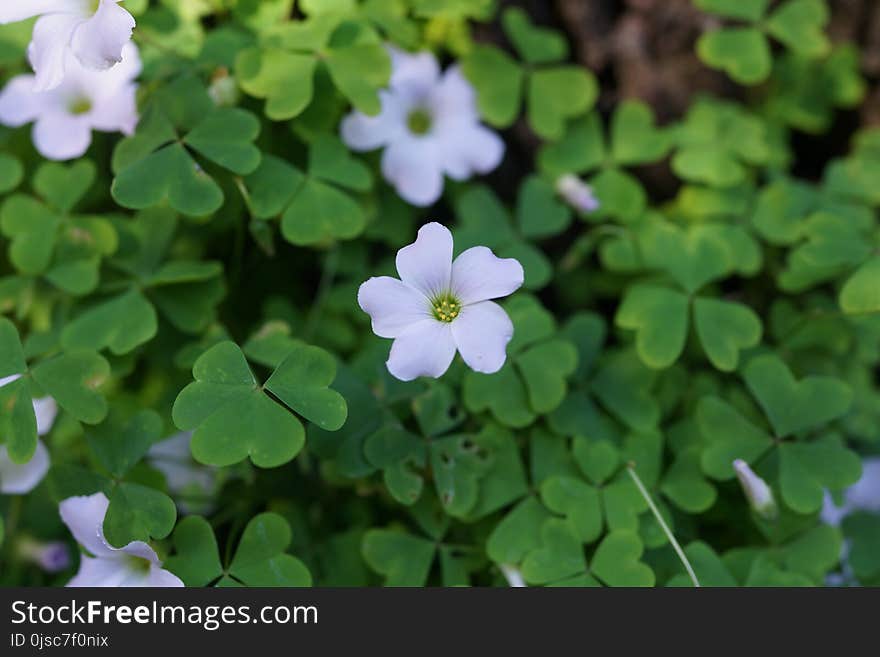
{"x": 135, "y": 564}
{"x": 21, "y": 478}
{"x": 428, "y": 125}
{"x": 439, "y": 306}
{"x": 86, "y": 100}
{"x": 577, "y": 193}
{"x": 864, "y": 495}
{"x": 756, "y": 490}
{"x": 90, "y": 32}
{"x": 52, "y": 557}
{"x": 191, "y": 483}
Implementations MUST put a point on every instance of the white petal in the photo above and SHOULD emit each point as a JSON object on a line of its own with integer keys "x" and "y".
{"x": 21, "y": 478}
{"x": 98, "y": 41}
{"x": 478, "y": 275}
{"x": 172, "y": 457}
{"x": 832, "y": 514}
{"x": 365, "y": 133}
{"x": 426, "y": 264}
{"x": 481, "y": 333}
{"x": 159, "y": 578}
{"x": 454, "y": 97}
{"x": 393, "y": 306}
{"x": 425, "y": 349}
{"x": 95, "y": 572}
{"x": 468, "y": 148}
{"x": 865, "y": 493}
{"x": 48, "y": 48}
{"x": 117, "y": 113}
{"x": 9, "y": 379}
{"x": 19, "y": 104}
{"x": 84, "y": 517}
{"x": 413, "y": 166}
{"x": 412, "y": 69}
{"x": 138, "y": 549}
{"x": 121, "y": 572}
{"x": 12, "y": 11}
{"x": 45, "y": 409}
{"x": 61, "y": 136}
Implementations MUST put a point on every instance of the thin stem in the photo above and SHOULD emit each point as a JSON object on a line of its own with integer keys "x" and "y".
{"x": 631, "y": 468}
{"x": 331, "y": 262}
{"x": 11, "y": 524}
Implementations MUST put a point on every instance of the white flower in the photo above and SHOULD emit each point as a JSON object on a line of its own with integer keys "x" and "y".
{"x": 90, "y": 32}
{"x": 577, "y": 193}
{"x": 52, "y": 557}
{"x": 864, "y": 495}
{"x": 21, "y": 478}
{"x": 439, "y": 306}
{"x": 65, "y": 116}
{"x": 136, "y": 564}
{"x": 191, "y": 482}
{"x": 428, "y": 125}
{"x": 756, "y": 490}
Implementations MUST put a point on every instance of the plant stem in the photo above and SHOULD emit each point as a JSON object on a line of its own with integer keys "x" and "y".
{"x": 631, "y": 468}
{"x": 328, "y": 274}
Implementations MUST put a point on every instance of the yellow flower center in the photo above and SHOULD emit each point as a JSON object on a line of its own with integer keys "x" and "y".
{"x": 445, "y": 307}
{"x": 80, "y": 105}
{"x": 419, "y": 121}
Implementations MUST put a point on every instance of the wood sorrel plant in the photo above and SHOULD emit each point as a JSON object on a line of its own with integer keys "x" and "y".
{"x": 626, "y": 351}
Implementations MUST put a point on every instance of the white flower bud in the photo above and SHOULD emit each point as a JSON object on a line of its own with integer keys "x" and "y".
{"x": 577, "y": 193}
{"x": 52, "y": 557}
{"x": 756, "y": 490}
{"x": 513, "y": 576}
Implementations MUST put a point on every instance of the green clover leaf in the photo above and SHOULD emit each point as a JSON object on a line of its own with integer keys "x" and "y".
{"x": 794, "y": 406}
{"x": 234, "y": 417}
{"x": 533, "y": 381}
{"x": 717, "y": 142}
{"x": 282, "y": 69}
{"x": 483, "y": 220}
{"x": 535, "y": 45}
{"x": 119, "y": 324}
{"x": 260, "y": 560}
{"x": 196, "y": 558}
{"x": 743, "y": 52}
{"x": 155, "y": 164}
{"x": 633, "y": 140}
{"x": 617, "y": 561}
{"x": 559, "y": 556}
{"x": 11, "y": 173}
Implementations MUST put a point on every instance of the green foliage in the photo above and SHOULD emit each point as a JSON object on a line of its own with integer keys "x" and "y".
{"x": 743, "y": 52}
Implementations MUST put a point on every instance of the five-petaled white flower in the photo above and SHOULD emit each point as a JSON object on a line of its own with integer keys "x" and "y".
{"x": 91, "y": 32}
{"x": 429, "y": 126}
{"x": 135, "y": 564}
{"x": 439, "y": 306}
{"x": 65, "y": 116}
{"x": 21, "y": 478}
